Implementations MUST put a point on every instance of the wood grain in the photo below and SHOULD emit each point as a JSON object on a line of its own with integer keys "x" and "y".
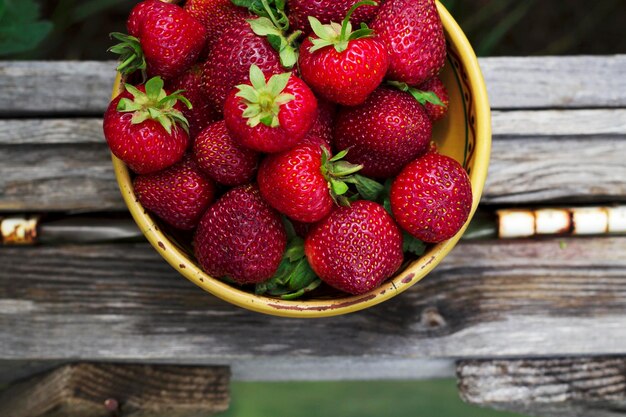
{"x": 105, "y": 390}
{"x": 537, "y": 157}
{"x": 488, "y": 299}
{"x": 560, "y": 387}
{"x": 83, "y": 88}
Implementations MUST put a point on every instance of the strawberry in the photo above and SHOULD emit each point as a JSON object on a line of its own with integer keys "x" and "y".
{"x": 179, "y": 194}
{"x": 163, "y": 40}
{"x": 324, "y": 122}
{"x": 231, "y": 58}
{"x": 305, "y": 182}
{"x": 144, "y": 128}
{"x": 355, "y": 248}
{"x": 270, "y": 114}
{"x": 432, "y": 197}
{"x": 436, "y": 112}
{"x": 221, "y": 158}
{"x": 385, "y": 133}
{"x": 202, "y": 113}
{"x": 240, "y": 237}
{"x": 216, "y": 16}
{"x": 327, "y": 11}
{"x": 413, "y": 34}
{"x": 341, "y": 65}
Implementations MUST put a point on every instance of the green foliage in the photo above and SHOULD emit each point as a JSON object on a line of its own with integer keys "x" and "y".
{"x": 20, "y": 29}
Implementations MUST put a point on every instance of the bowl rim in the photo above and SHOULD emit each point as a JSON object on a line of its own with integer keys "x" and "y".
{"x": 331, "y": 307}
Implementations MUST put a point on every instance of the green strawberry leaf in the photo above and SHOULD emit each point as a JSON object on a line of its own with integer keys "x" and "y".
{"x": 412, "y": 244}
{"x": 422, "y": 97}
{"x": 368, "y": 188}
{"x": 20, "y": 30}
{"x": 294, "y": 276}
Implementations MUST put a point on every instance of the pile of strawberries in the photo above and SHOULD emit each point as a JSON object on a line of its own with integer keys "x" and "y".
{"x": 290, "y": 137}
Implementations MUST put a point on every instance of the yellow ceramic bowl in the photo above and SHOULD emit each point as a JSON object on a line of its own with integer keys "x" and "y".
{"x": 464, "y": 135}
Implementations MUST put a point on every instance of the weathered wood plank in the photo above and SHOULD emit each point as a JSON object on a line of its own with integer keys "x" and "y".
{"x": 537, "y": 157}
{"x": 102, "y": 390}
{"x": 68, "y": 87}
{"x": 55, "y": 87}
{"x": 488, "y": 299}
{"x": 555, "y": 82}
{"x": 564, "y": 387}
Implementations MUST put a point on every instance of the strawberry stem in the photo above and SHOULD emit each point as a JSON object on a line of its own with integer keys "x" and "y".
{"x": 346, "y": 20}
{"x": 155, "y": 104}
{"x": 263, "y": 100}
{"x": 422, "y": 97}
{"x": 337, "y": 35}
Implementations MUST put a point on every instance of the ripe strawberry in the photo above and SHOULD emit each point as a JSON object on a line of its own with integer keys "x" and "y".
{"x": 144, "y": 128}
{"x": 432, "y": 197}
{"x": 304, "y": 182}
{"x": 217, "y": 16}
{"x": 240, "y": 237}
{"x": 355, "y": 248}
{"x": 223, "y": 159}
{"x": 341, "y": 65}
{"x": 163, "y": 40}
{"x": 202, "y": 113}
{"x": 436, "y": 112}
{"x": 270, "y": 114}
{"x": 413, "y": 34}
{"x": 385, "y": 133}
{"x": 180, "y": 194}
{"x": 323, "y": 125}
{"x": 231, "y": 58}
{"x": 327, "y": 11}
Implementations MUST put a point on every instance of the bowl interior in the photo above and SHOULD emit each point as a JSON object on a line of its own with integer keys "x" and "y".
{"x": 465, "y": 135}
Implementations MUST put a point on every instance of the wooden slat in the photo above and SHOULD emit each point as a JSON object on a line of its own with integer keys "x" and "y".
{"x": 513, "y": 83}
{"x": 488, "y": 299}
{"x": 55, "y": 87}
{"x": 103, "y": 390}
{"x": 537, "y": 157}
{"x": 565, "y": 387}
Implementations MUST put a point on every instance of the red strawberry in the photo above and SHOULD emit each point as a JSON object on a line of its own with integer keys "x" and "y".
{"x": 324, "y": 122}
{"x": 385, "y": 133}
{"x": 340, "y": 65}
{"x": 231, "y": 58}
{"x": 217, "y": 16}
{"x": 241, "y": 237}
{"x": 202, "y": 113}
{"x": 180, "y": 194}
{"x": 327, "y": 11}
{"x": 355, "y": 248}
{"x": 294, "y": 184}
{"x": 220, "y": 157}
{"x": 413, "y": 34}
{"x": 163, "y": 40}
{"x": 144, "y": 130}
{"x": 270, "y": 114}
{"x": 436, "y": 112}
{"x": 432, "y": 197}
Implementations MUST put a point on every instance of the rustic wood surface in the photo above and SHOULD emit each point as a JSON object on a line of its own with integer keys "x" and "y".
{"x": 487, "y": 299}
{"x": 565, "y": 387}
{"x": 537, "y": 157}
{"x": 105, "y": 390}
{"x": 558, "y": 138}
{"x": 83, "y": 88}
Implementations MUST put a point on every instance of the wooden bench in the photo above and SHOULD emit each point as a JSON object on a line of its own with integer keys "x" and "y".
{"x": 531, "y": 325}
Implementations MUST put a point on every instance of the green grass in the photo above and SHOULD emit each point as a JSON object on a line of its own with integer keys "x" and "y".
{"x": 352, "y": 399}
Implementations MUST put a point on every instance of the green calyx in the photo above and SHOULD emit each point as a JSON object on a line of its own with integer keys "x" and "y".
{"x": 339, "y": 35}
{"x": 422, "y": 97}
{"x": 339, "y": 173}
{"x": 273, "y": 24}
{"x": 264, "y": 99}
{"x": 156, "y": 105}
{"x": 131, "y": 55}
{"x": 294, "y": 276}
